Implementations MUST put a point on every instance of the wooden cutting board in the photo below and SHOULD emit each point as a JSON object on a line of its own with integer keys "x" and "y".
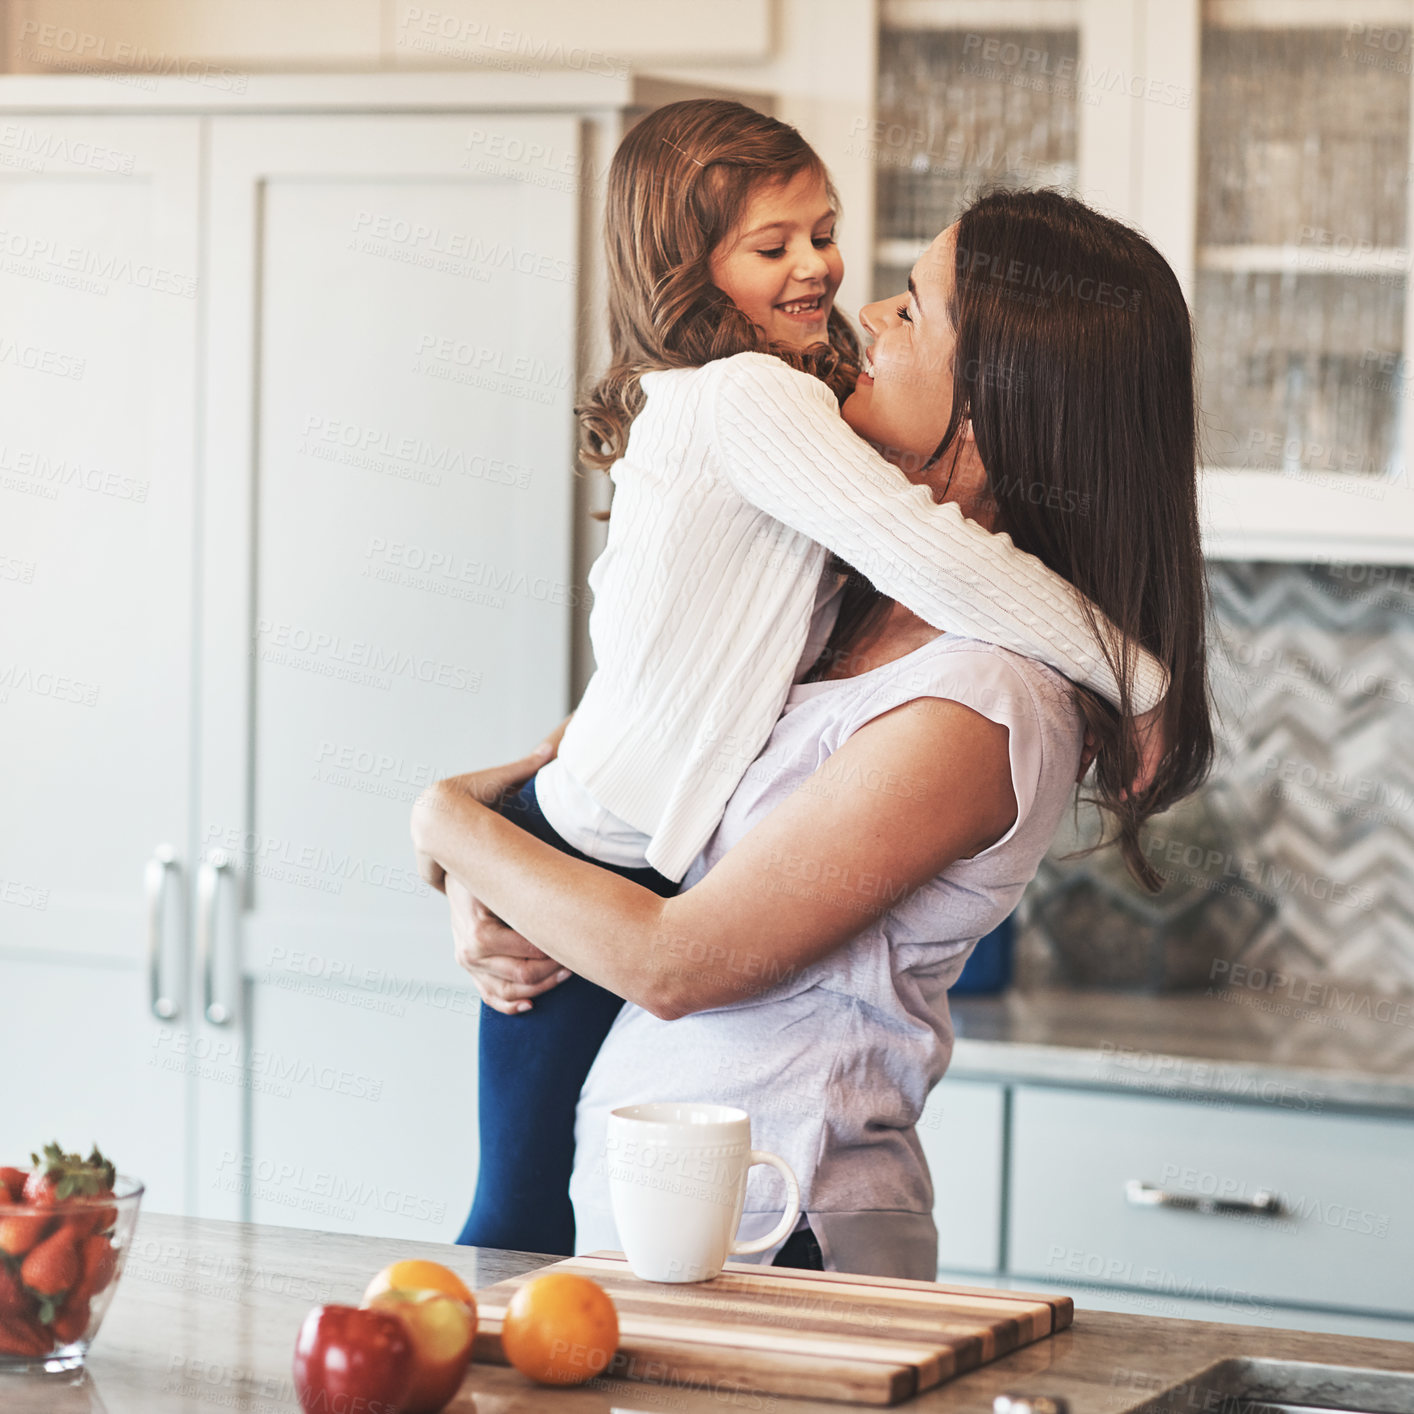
{"x": 774, "y": 1330}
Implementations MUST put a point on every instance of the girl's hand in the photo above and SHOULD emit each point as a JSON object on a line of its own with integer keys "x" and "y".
{"x": 1150, "y": 741}
{"x": 507, "y": 969}
{"x": 1087, "y": 755}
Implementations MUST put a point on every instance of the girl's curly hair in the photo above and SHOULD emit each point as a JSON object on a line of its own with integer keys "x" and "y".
{"x": 679, "y": 184}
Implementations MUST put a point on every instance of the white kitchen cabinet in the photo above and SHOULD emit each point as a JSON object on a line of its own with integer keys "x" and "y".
{"x": 963, "y": 1134}
{"x": 397, "y": 299}
{"x": 361, "y": 1110}
{"x": 1241, "y": 1207}
{"x": 290, "y": 532}
{"x": 98, "y": 281}
{"x": 1197, "y": 1208}
{"x": 1263, "y": 145}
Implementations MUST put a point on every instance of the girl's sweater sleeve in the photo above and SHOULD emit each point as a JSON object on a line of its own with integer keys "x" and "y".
{"x": 783, "y": 447}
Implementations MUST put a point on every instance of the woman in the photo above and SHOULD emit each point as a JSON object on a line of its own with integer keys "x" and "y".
{"x": 1039, "y": 371}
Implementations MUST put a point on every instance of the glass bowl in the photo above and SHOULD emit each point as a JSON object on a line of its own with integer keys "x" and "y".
{"x": 59, "y": 1268}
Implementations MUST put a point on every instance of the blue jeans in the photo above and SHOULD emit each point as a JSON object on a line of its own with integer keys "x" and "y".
{"x": 530, "y": 1071}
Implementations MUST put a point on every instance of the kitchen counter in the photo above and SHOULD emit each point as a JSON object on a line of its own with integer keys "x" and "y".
{"x": 1311, "y": 1046}
{"x": 206, "y": 1316}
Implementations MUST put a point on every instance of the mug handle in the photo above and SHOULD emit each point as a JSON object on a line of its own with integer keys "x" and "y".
{"x": 788, "y": 1218}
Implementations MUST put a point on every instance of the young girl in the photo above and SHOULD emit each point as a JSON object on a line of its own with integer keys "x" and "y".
{"x": 735, "y": 478}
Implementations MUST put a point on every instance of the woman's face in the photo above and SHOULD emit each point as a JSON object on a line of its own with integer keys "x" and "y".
{"x": 781, "y": 266}
{"x": 903, "y": 399}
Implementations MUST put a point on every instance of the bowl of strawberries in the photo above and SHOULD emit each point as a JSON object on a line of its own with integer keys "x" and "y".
{"x": 65, "y": 1226}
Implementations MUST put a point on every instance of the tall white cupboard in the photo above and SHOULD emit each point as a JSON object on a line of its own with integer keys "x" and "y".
{"x": 289, "y": 527}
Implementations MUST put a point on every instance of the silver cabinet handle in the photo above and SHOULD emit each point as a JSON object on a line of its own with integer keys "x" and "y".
{"x": 163, "y": 861}
{"x": 1262, "y": 1204}
{"x": 208, "y": 888}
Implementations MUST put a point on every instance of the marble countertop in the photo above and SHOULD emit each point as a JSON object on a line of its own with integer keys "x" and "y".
{"x": 1329, "y": 1050}
{"x": 206, "y": 1316}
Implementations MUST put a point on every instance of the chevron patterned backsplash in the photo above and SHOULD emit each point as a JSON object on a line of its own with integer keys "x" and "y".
{"x": 1298, "y": 857}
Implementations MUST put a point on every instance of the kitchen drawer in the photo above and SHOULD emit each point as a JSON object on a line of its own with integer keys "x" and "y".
{"x": 961, "y": 1132}
{"x": 1344, "y": 1238}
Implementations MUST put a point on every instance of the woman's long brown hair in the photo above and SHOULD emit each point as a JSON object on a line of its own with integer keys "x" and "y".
{"x": 678, "y": 185}
{"x": 1074, "y": 365}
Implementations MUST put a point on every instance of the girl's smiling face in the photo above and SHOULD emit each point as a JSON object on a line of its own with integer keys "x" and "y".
{"x": 781, "y": 266}
{"x": 903, "y": 400}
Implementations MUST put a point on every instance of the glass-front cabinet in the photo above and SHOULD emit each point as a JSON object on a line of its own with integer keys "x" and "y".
{"x": 1264, "y": 145}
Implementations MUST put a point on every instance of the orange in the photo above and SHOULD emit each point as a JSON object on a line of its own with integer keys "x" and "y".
{"x": 560, "y": 1329}
{"x": 417, "y": 1275}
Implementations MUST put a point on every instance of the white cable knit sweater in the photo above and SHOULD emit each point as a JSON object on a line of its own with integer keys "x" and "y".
{"x": 738, "y": 478}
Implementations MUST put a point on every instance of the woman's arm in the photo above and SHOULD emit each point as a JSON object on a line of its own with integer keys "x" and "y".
{"x": 786, "y": 450}
{"x": 508, "y": 970}
{"x": 818, "y": 869}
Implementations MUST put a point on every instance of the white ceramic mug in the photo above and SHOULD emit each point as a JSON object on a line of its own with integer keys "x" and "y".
{"x": 677, "y": 1182}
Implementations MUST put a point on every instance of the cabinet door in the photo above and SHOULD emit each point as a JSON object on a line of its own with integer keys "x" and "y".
{"x": 98, "y": 283}
{"x": 390, "y": 376}
{"x": 963, "y": 1134}
{"x": 966, "y": 102}
{"x": 1305, "y": 328}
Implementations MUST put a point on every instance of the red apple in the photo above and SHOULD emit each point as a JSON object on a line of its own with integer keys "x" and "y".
{"x": 442, "y": 1330}
{"x": 350, "y": 1358}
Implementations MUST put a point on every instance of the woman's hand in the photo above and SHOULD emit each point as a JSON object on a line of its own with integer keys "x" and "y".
{"x": 485, "y": 787}
{"x": 507, "y": 969}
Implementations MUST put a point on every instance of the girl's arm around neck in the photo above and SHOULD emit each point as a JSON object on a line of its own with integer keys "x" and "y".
{"x": 786, "y": 450}
{"x": 907, "y": 795}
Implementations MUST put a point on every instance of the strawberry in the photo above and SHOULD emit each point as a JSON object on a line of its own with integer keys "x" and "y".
{"x": 13, "y": 1296}
{"x": 53, "y": 1266}
{"x": 58, "y": 1177}
{"x": 99, "y": 1261}
{"x": 71, "y": 1322}
{"x": 86, "y": 1216}
{"x": 20, "y": 1231}
{"x": 19, "y": 1335}
{"x": 12, "y": 1180}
